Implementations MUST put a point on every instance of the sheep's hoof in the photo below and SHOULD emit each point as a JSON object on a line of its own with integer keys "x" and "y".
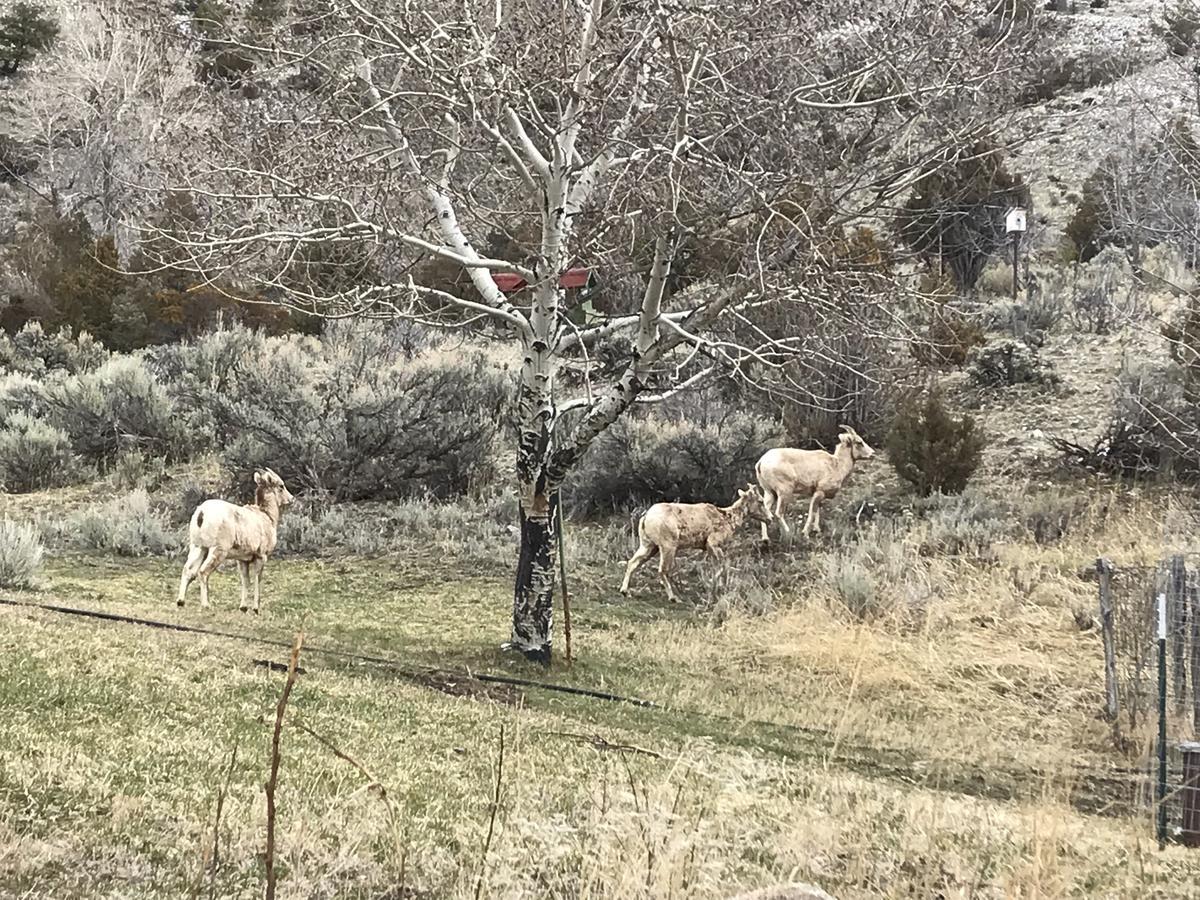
{"x": 179, "y": 603}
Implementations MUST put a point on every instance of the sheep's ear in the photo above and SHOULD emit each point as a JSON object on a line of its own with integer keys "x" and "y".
{"x": 258, "y": 477}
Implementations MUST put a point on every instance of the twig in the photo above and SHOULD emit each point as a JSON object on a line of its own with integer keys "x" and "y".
{"x": 487, "y": 843}
{"x": 216, "y": 848}
{"x": 274, "y": 779}
{"x": 374, "y": 785}
{"x": 602, "y": 743}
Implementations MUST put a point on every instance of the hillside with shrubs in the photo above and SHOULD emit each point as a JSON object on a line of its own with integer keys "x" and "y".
{"x": 215, "y": 261}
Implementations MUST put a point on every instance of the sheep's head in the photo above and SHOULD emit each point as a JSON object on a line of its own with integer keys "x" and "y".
{"x": 750, "y": 499}
{"x": 270, "y": 483}
{"x": 859, "y": 449}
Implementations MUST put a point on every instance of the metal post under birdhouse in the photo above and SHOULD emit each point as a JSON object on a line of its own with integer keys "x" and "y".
{"x": 1014, "y": 224}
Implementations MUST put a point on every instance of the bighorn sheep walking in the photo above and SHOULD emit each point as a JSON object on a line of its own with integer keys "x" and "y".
{"x": 247, "y": 534}
{"x": 784, "y": 473}
{"x": 668, "y": 527}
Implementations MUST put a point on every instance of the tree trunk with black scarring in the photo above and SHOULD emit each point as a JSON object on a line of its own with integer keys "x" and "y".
{"x": 533, "y": 593}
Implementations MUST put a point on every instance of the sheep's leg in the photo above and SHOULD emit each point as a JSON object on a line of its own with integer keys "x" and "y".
{"x": 643, "y": 553}
{"x": 257, "y": 568}
{"x": 214, "y": 559}
{"x": 768, "y": 502}
{"x": 814, "y": 512}
{"x": 244, "y": 578}
{"x": 665, "y": 562}
{"x": 777, "y": 512}
{"x": 190, "y": 568}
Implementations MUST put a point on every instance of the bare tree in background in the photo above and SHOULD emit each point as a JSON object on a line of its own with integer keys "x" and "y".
{"x": 92, "y": 114}
{"x": 702, "y": 158}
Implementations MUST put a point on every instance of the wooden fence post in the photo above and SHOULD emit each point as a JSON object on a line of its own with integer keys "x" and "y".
{"x": 1177, "y": 622}
{"x": 1104, "y": 568}
{"x": 1190, "y": 794}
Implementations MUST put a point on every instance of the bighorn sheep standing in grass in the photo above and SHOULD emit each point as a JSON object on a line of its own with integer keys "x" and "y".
{"x": 247, "y": 534}
{"x": 668, "y": 527}
{"x": 784, "y": 473}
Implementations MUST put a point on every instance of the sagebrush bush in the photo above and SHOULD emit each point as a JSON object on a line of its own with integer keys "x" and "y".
{"x": 126, "y": 526}
{"x": 22, "y": 393}
{"x": 118, "y": 406}
{"x": 1049, "y": 517}
{"x": 353, "y": 415}
{"x": 476, "y": 529}
{"x": 1105, "y": 294}
{"x": 32, "y": 351}
{"x": 191, "y": 495}
{"x": 966, "y": 524}
{"x": 729, "y": 592}
{"x": 931, "y": 449}
{"x": 880, "y": 576}
{"x": 133, "y": 469}
{"x": 21, "y": 554}
{"x": 854, "y": 585}
{"x": 996, "y": 279}
{"x": 643, "y": 460}
{"x": 34, "y": 455}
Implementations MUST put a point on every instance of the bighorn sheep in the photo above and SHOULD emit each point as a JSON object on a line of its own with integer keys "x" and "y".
{"x": 784, "y": 473}
{"x": 247, "y": 534}
{"x": 669, "y": 527}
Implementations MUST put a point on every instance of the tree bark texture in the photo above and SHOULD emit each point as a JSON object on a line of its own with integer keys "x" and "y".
{"x": 533, "y": 594}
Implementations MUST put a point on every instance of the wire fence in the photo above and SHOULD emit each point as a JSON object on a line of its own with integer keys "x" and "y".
{"x": 1150, "y": 619}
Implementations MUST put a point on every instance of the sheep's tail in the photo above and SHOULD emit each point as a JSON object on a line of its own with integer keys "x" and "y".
{"x": 637, "y": 530}
{"x": 768, "y": 496}
{"x": 194, "y": 531}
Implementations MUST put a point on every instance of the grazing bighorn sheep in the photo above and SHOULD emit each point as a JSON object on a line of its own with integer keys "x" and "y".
{"x": 247, "y": 534}
{"x": 669, "y": 527}
{"x": 785, "y": 473}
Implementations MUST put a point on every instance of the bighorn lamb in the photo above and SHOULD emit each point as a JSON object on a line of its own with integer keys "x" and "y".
{"x": 247, "y": 534}
{"x": 784, "y": 473}
{"x": 669, "y": 527}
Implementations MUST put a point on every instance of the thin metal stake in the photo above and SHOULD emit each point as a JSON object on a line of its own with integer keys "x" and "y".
{"x": 562, "y": 572}
{"x": 1016, "y": 251}
{"x": 1162, "y": 720}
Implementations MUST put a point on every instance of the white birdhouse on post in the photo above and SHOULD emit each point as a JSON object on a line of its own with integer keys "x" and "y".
{"x": 1014, "y": 224}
